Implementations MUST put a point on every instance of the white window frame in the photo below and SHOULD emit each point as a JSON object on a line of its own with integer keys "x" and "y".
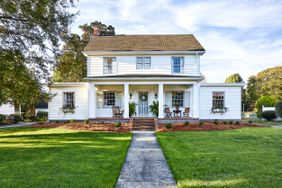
{"x": 181, "y": 64}
{"x": 223, "y": 99}
{"x": 65, "y": 99}
{"x": 105, "y": 99}
{"x": 106, "y": 66}
{"x": 173, "y": 101}
{"x": 141, "y": 62}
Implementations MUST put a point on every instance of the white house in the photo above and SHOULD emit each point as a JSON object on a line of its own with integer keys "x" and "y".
{"x": 142, "y": 69}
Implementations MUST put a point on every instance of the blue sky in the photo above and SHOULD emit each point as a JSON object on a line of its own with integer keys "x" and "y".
{"x": 242, "y": 36}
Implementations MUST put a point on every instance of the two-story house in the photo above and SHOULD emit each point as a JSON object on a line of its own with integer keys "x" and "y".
{"x": 141, "y": 69}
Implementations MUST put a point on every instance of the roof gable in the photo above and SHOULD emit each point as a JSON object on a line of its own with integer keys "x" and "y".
{"x": 185, "y": 42}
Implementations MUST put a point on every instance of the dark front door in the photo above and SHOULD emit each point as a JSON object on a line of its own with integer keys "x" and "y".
{"x": 143, "y": 104}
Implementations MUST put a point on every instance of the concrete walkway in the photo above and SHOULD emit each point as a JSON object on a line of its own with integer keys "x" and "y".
{"x": 20, "y": 124}
{"x": 145, "y": 164}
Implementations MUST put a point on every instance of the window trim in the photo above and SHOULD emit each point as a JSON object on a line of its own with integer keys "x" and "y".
{"x": 69, "y": 92}
{"x": 104, "y": 99}
{"x": 181, "y": 65}
{"x": 114, "y": 60}
{"x": 143, "y": 62}
{"x": 183, "y": 98}
{"x": 223, "y": 94}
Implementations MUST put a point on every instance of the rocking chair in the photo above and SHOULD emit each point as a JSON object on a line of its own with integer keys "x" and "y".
{"x": 186, "y": 112}
{"x": 167, "y": 112}
{"x": 117, "y": 113}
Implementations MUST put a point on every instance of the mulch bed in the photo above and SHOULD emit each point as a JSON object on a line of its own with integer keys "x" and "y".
{"x": 92, "y": 126}
{"x": 207, "y": 126}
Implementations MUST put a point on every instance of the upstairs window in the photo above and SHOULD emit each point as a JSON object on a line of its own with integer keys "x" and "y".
{"x": 177, "y": 98}
{"x": 68, "y": 99}
{"x": 108, "y": 65}
{"x": 109, "y": 98}
{"x": 218, "y": 100}
{"x": 143, "y": 62}
{"x": 177, "y": 64}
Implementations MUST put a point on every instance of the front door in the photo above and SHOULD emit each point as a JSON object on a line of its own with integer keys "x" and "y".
{"x": 143, "y": 104}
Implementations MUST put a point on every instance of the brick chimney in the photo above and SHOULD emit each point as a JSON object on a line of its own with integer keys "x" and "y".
{"x": 96, "y": 31}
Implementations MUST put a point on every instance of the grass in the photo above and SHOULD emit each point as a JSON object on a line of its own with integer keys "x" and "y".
{"x": 60, "y": 158}
{"x": 248, "y": 157}
{"x": 263, "y": 122}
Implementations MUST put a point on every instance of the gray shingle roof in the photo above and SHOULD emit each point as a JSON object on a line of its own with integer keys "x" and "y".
{"x": 181, "y": 42}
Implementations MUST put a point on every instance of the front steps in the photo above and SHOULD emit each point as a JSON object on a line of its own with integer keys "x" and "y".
{"x": 143, "y": 124}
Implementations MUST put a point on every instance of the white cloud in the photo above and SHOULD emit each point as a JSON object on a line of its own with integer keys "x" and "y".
{"x": 239, "y": 36}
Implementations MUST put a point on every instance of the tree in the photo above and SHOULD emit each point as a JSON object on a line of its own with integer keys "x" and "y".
{"x": 269, "y": 82}
{"x": 267, "y": 101}
{"x": 234, "y": 78}
{"x": 71, "y": 65}
{"x": 30, "y": 32}
{"x": 251, "y": 94}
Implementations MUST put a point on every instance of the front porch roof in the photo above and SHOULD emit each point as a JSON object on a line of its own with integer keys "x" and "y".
{"x": 145, "y": 77}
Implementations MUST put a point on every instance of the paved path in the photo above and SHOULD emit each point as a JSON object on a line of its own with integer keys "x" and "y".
{"x": 145, "y": 164}
{"x": 20, "y": 124}
{"x": 276, "y": 127}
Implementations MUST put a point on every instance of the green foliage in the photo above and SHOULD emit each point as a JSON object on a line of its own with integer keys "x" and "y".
{"x": 71, "y": 121}
{"x": 215, "y": 122}
{"x": 230, "y": 122}
{"x": 86, "y": 121}
{"x": 186, "y": 123}
{"x": 41, "y": 114}
{"x": 132, "y": 108}
{"x": 201, "y": 123}
{"x": 234, "y": 78}
{"x": 237, "y": 122}
{"x": 154, "y": 108}
{"x": 2, "y": 118}
{"x": 251, "y": 93}
{"x": 267, "y": 101}
{"x": 278, "y": 109}
{"x": 118, "y": 124}
{"x": 250, "y": 122}
{"x": 42, "y": 120}
{"x": 17, "y": 118}
{"x": 225, "y": 122}
{"x": 268, "y": 115}
{"x": 168, "y": 125}
{"x": 31, "y": 32}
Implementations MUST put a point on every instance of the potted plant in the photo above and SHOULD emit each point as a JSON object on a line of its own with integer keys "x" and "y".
{"x": 154, "y": 108}
{"x": 68, "y": 109}
{"x": 132, "y": 108}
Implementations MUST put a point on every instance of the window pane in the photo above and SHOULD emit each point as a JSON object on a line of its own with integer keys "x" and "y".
{"x": 143, "y": 62}
{"x": 109, "y": 99}
{"x": 177, "y": 64}
{"x": 108, "y": 64}
{"x": 218, "y": 100}
{"x": 177, "y": 99}
{"x": 69, "y": 99}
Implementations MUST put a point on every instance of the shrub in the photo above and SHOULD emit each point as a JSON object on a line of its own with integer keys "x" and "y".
{"x": 268, "y": 115}
{"x": 201, "y": 123}
{"x": 41, "y": 114}
{"x": 230, "y": 122}
{"x": 2, "y": 118}
{"x": 132, "y": 108}
{"x": 225, "y": 122}
{"x": 42, "y": 120}
{"x": 17, "y": 118}
{"x": 237, "y": 122}
{"x": 154, "y": 108}
{"x": 71, "y": 120}
{"x": 215, "y": 122}
{"x": 250, "y": 122}
{"x": 278, "y": 109}
{"x": 117, "y": 124}
{"x": 86, "y": 121}
{"x": 186, "y": 123}
{"x": 267, "y": 101}
{"x": 168, "y": 125}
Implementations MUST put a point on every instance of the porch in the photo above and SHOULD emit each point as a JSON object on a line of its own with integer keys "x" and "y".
{"x": 104, "y": 95}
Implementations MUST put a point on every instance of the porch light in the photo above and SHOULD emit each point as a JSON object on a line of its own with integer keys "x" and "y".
{"x": 156, "y": 95}
{"x": 130, "y": 95}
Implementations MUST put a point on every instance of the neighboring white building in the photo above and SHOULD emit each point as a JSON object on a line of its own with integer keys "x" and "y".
{"x": 142, "y": 69}
{"x": 7, "y": 108}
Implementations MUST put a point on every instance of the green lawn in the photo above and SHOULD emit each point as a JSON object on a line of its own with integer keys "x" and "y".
{"x": 60, "y": 158}
{"x": 263, "y": 122}
{"x": 249, "y": 157}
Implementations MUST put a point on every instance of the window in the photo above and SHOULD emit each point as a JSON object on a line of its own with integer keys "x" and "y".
{"x": 108, "y": 65}
{"x": 143, "y": 62}
{"x": 177, "y": 64}
{"x": 177, "y": 99}
{"x": 68, "y": 99}
{"x": 109, "y": 98}
{"x": 218, "y": 100}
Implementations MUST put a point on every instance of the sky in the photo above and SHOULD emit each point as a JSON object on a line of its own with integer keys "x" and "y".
{"x": 239, "y": 36}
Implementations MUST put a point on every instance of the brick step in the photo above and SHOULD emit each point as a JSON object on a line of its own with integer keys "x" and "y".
{"x": 143, "y": 128}
{"x": 139, "y": 126}
{"x": 143, "y": 121}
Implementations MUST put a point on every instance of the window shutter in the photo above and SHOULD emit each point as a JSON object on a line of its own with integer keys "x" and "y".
{"x": 168, "y": 99}
{"x": 100, "y": 99}
{"x": 187, "y": 99}
{"x": 118, "y": 96}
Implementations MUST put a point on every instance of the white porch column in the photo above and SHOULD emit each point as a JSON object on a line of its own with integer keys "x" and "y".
{"x": 126, "y": 100}
{"x": 196, "y": 100}
{"x": 161, "y": 100}
{"x": 91, "y": 100}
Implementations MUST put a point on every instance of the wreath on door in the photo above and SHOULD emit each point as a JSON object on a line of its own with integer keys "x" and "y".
{"x": 143, "y": 97}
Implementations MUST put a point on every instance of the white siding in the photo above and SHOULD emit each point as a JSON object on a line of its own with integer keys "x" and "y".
{"x": 7, "y": 109}
{"x": 159, "y": 65}
{"x": 232, "y": 102}
{"x": 81, "y": 103}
